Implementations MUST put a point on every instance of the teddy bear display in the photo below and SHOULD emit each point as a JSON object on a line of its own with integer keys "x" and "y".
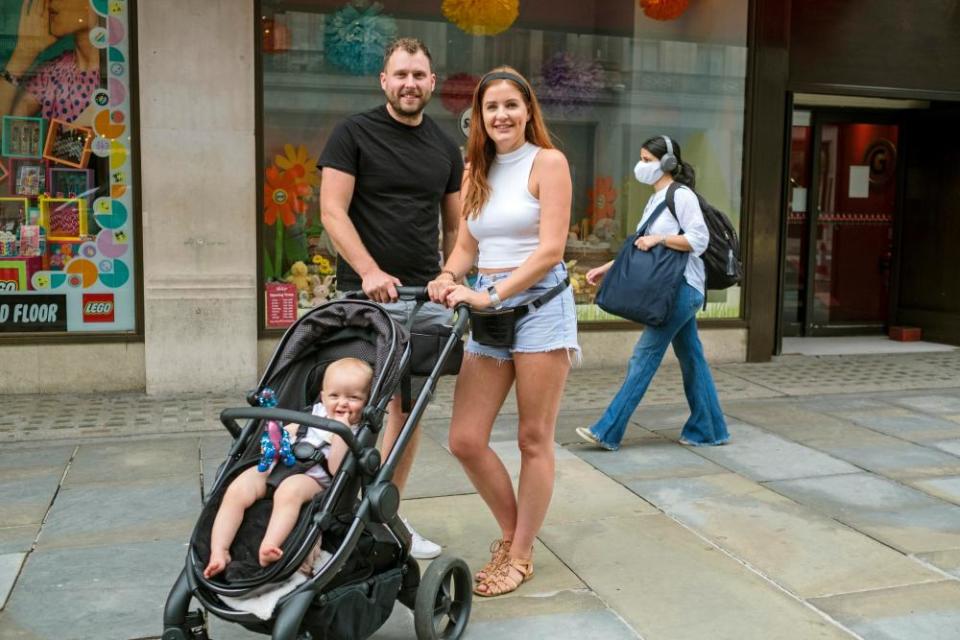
{"x": 322, "y": 289}
{"x": 298, "y": 277}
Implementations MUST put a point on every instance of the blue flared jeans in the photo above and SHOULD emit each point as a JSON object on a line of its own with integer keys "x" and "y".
{"x": 706, "y": 425}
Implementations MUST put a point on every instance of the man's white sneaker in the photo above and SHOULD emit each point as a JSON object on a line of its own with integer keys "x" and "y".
{"x": 420, "y": 547}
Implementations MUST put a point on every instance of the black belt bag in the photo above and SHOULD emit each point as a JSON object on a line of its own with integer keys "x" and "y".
{"x": 498, "y": 327}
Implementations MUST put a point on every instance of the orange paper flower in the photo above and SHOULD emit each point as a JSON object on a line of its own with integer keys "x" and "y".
{"x": 664, "y": 9}
{"x": 603, "y": 199}
{"x": 282, "y": 195}
{"x": 299, "y": 157}
{"x": 482, "y": 17}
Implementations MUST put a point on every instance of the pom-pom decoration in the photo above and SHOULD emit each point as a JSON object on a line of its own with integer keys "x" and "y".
{"x": 482, "y": 17}
{"x": 569, "y": 85}
{"x": 355, "y": 37}
{"x": 664, "y": 9}
{"x": 457, "y": 92}
{"x": 267, "y": 397}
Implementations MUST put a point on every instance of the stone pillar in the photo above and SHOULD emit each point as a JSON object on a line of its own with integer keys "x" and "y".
{"x": 198, "y": 168}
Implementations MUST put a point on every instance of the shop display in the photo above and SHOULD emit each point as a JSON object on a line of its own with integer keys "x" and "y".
{"x": 68, "y": 144}
{"x": 66, "y": 169}
{"x": 22, "y": 137}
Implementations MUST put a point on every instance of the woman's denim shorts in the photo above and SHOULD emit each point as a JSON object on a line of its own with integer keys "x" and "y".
{"x": 553, "y": 326}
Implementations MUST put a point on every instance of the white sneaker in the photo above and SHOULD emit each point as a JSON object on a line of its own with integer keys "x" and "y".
{"x": 420, "y": 547}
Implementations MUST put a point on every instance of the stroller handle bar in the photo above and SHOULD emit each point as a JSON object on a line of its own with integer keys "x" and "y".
{"x": 419, "y": 294}
{"x": 229, "y": 418}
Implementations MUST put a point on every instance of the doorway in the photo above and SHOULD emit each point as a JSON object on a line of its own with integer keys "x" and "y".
{"x": 841, "y": 210}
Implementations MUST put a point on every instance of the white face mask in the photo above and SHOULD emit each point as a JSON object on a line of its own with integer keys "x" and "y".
{"x": 648, "y": 172}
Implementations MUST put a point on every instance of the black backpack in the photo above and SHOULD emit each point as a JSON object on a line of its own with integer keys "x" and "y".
{"x": 722, "y": 257}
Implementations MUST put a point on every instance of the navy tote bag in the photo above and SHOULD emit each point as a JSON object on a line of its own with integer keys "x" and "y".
{"x": 642, "y": 285}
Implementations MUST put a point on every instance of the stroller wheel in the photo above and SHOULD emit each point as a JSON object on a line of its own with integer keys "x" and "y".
{"x": 443, "y": 599}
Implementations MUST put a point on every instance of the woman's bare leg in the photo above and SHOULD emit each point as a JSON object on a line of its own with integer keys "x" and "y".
{"x": 540, "y": 381}
{"x": 247, "y": 488}
{"x": 292, "y": 493}
{"x": 482, "y": 385}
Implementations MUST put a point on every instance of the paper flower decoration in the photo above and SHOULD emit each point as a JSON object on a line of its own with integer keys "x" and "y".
{"x": 282, "y": 196}
{"x": 568, "y": 85}
{"x": 457, "y": 92}
{"x": 299, "y": 158}
{"x": 355, "y": 37}
{"x": 482, "y": 17}
{"x": 603, "y": 199}
{"x": 664, "y": 9}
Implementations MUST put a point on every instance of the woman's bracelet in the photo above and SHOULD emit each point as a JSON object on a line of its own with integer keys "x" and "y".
{"x": 452, "y": 275}
{"x": 9, "y": 77}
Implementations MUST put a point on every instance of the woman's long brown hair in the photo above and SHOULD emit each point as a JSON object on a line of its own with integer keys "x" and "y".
{"x": 480, "y": 148}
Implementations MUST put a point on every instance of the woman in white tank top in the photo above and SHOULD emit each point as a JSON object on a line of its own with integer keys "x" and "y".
{"x": 517, "y": 211}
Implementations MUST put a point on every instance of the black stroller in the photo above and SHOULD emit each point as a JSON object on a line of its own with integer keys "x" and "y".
{"x": 356, "y": 520}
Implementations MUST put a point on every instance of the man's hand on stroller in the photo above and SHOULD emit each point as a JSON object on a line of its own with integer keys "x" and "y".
{"x": 380, "y": 286}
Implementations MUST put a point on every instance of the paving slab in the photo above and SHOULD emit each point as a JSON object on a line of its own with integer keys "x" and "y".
{"x": 761, "y": 456}
{"x": 890, "y": 456}
{"x": 902, "y": 423}
{"x": 37, "y": 459}
{"x": 950, "y": 446}
{"x": 26, "y": 499}
{"x": 116, "y": 591}
{"x": 852, "y": 494}
{"x": 647, "y": 567}
{"x": 794, "y": 420}
{"x": 582, "y": 493}
{"x": 594, "y": 625}
{"x": 916, "y": 612}
{"x": 9, "y": 570}
{"x": 807, "y": 553}
{"x": 947, "y": 488}
{"x": 947, "y": 561}
{"x": 435, "y": 472}
{"x": 903, "y": 517}
{"x": 646, "y": 460}
{"x": 98, "y": 514}
{"x": 932, "y": 403}
{"x": 465, "y": 528}
{"x": 18, "y": 539}
{"x": 137, "y": 460}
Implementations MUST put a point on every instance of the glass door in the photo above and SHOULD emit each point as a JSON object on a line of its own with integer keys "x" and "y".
{"x": 839, "y": 229}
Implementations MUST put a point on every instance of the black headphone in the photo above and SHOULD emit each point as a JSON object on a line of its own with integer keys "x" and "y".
{"x": 668, "y": 162}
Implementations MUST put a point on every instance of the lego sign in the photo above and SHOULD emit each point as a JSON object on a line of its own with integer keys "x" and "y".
{"x": 98, "y": 307}
{"x": 33, "y": 313}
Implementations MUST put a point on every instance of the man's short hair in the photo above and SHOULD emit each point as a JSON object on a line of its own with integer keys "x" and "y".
{"x": 410, "y": 45}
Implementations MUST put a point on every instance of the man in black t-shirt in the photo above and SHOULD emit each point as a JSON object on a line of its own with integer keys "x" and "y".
{"x": 387, "y": 174}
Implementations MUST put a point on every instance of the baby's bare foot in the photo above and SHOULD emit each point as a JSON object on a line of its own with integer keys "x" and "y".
{"x": 218, "y": 562}
{"x": 269, "y": 554}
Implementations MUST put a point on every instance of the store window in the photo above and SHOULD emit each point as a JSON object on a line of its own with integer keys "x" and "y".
{"x": 66, "y": 232}
{"x": 609, "y": 73}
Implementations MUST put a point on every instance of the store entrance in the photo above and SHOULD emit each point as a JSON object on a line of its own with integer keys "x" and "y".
{"x": 842, "y": 203}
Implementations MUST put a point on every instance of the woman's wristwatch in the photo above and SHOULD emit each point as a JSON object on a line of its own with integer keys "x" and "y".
{"x": 495, "y": 300}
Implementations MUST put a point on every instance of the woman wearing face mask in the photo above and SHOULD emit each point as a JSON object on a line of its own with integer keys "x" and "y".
{"x": 688, "y": 233}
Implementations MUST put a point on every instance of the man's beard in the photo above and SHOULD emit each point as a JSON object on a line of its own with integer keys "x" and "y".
{"x": 397, "y": 104}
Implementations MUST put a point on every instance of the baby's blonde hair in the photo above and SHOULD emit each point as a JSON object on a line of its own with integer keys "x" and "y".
{"x": 354, "y": 366}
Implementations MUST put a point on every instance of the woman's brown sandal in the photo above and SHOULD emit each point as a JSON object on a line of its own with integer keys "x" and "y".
{"x": 500, "y": 551}
{"x": 502, "y": 580}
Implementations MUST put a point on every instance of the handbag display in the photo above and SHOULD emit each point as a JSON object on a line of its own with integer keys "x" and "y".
{"x": 642, "y": 285}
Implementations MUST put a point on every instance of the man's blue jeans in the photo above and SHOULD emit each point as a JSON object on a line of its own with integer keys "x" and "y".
{"x": 706, "y": 425}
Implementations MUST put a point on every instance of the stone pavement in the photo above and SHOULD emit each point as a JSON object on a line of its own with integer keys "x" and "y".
{"x": 833, "y": 513}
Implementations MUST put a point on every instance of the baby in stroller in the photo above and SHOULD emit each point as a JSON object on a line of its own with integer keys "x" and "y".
{"x": 343, "y": 395}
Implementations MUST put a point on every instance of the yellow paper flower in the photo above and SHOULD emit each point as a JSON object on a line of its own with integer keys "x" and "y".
{"x": 300, "y": 157}
{"x": 323, "y": 265}
{"x": 482, "y": 17}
